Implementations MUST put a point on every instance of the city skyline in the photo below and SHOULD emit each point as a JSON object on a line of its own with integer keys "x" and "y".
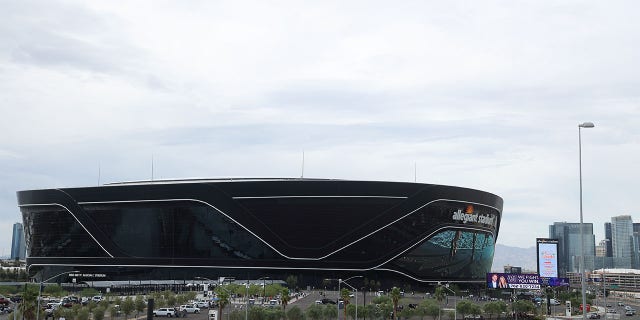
{"x": 485, "y": 95}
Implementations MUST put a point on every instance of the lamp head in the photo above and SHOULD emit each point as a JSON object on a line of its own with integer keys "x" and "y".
{"x": 586, "y": 125}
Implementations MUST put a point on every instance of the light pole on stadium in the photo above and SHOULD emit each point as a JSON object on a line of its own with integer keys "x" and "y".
{"x": 582, "y": 280}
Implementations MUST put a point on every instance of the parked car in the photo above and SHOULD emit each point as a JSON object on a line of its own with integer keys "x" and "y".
{"x": 5, "y": 309}
{"x": 594, "y": 315}
{"x": 628, "y": 313}
{"x": 201, "y": 304}
{"x": 4, "y": 301}
{"x": 164, "y": 312}
{"x": 189, "y": 308}
{"x": 96, "y": 299}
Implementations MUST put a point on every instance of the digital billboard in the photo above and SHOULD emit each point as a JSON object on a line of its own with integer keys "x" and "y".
{"x": 512, "y": 281}
{"x": 547, "y": 252}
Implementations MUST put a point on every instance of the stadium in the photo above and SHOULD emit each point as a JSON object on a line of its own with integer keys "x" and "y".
{"x": 311, "y": 228}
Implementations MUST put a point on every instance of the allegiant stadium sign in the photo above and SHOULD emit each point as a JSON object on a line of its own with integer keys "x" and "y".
{"x": 474, "y": 218}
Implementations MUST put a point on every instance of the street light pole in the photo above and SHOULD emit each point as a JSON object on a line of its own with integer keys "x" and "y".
{"x": 356, "y": 290}
{"x": 264, "y": 289}
{"x": 581, "y": 269}
{"x": 604, "y": 285}
{"x": 356, "y": 294}
{"x": 455, "y": 303}
{"x": 246, "y": 311}
{"x": 338, "y": 302}
{"x": 40, "y": 290}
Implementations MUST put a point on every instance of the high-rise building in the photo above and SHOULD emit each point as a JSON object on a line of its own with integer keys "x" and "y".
{"x": 621, "y": 237}
{"x": 18, "y": 250}
{"x": 607, "y": 237}
{"x": 601, "y": 248}
{"x": 570, "y": 245}
{"x": 635, "y": 246}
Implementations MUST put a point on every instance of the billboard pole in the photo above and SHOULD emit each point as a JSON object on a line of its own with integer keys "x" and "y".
{"x": 515, "y": 303}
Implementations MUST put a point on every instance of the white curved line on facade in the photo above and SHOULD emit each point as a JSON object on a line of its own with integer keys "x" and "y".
{"x": 255, "y": 235}
{"x": 74, "y": 216}
{"x": 425, "y": 281}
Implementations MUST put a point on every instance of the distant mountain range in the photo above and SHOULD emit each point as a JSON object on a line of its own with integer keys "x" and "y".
{"x": 514, "y": 256}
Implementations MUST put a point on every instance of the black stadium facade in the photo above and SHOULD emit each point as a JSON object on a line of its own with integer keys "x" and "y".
{"x": 251, "y": 228}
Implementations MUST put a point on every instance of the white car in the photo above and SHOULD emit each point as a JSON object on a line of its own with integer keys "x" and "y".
{"x": 189, "y": 308}
{"x": 164, "y": 312}
{"x": 201, "y": 304}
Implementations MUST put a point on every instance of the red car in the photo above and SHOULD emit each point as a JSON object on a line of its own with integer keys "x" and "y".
{"x": 4, "y": 301}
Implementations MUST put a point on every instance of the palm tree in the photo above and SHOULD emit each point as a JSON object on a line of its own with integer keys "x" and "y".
{"x": 284, "y": 298}
{"x": 439, "y": 294}
{"x": 395, "y": 297}
{"x": 223, "y": 299}
{"x": 344, "y": 295}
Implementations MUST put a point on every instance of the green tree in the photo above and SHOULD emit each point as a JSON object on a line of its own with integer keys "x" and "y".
{"x": 258, "y": 313}
{"x": 274, "y": 314}
{"x": 395, "y": 298}
{"x": 450, "y": 315}
{"x": 370, "y": 311}
{"x": 234, "y": 315}
{"x": 386, "y": 308}
{"x": 83, "y": 314}
{"x": 439, "y": 294}
{"x": 98, "y": 313}
{"x": 127, "y": 307}
{"x": 191, "y": 295}
{"x": 113, "y": 311}
{"x": 171, "y": 297}
{"x": 292, "y": 281}
{"x": 140, "y": 304}
{"x": 295, "y": 313}
{"x": 464, "y": 307}
{"x": 314, "y": 312}
{"x": 428, "y": 307}
{"x": 330, "y": 311}
{"x": 104, "y": 304}
{"x": 29, "y": 302}
{"x": 158, "y": 299}
{"x": 495, "y": 307}
{"x": 523, "y": 306}
{"x": 407, "y": 313}
{"x": 223, "y": 299}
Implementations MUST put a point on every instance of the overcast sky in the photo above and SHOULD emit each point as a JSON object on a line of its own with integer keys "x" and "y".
{"x": 480, "y": 94}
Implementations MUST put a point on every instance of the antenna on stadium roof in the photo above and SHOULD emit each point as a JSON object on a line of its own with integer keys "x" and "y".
{"x": 415, "y": 172}
{"x": 302, "y": 175}
{"x": 152, "y": 167}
